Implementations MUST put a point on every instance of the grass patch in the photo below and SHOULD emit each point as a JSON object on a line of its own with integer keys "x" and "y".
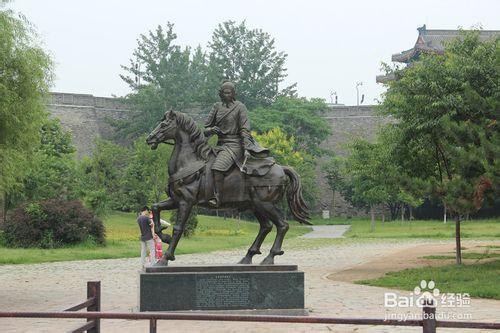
{"x": 360, "y": 228}
{"x": 466, "y": 255}
{"x": 478, "y": 280}
{"x": 122, "y": 240}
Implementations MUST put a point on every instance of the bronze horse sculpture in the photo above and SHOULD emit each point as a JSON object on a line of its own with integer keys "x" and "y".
{"x": 189, "y": 186}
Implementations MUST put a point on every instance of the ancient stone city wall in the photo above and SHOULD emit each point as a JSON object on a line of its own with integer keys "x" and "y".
{"x": 85, "y": 116}
{"x": 347, "y": 122}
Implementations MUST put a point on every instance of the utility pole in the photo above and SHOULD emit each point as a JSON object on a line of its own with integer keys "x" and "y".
{"x": 334, "y": 93}
{"x": 357, "y": 92}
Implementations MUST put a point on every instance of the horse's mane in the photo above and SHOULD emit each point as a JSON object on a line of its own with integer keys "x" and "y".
{"x": 196, "y": 136}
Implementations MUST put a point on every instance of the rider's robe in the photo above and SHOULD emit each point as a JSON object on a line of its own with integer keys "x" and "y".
{"x": 235, "y": 127}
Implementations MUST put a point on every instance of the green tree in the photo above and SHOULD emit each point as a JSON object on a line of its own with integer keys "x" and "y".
{"x": 249, "y": 58}
{"x": 100, "y": 176}
{"x": 365, "y": 184}
{"x": 298, "y": 117}
{"x": 25, "y": 75}
{"x": 121, "y": 178}
{"x": 446, "y": 108}
{"x": 51, "y": 172}
{"x": 282, "y": 148}
{"x": 372, "y": 178}
{"x": 334, "y": 175}
{"x": 146, "y": 175}
{"x": 162, "y": 75}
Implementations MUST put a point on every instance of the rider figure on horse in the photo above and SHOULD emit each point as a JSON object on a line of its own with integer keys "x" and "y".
{"x": 228, "y": 120}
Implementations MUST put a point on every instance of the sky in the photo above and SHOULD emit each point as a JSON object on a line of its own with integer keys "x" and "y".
{"x": 331, "y": 45}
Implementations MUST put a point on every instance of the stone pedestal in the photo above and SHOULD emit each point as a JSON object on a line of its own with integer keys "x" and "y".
{"x": 223, "y": 287}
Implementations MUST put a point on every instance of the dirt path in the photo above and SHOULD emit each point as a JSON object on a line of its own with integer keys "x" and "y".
{"x": 54, "y": 286}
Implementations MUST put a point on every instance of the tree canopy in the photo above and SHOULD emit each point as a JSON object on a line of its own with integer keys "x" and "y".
{"x": 283, "y": 149}
{"x": 248, "y": 57}
{"x": 298, "y": 117}
{"x": 51, "y": 171}
{"x": 446, "y": 108}
{"x": 164, "y": 75}
{"x": 25, "y": 76}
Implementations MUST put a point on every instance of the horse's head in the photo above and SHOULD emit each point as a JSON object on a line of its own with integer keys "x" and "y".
{"x": 164, "y": 131}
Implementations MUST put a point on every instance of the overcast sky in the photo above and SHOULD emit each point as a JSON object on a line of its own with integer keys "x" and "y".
{"x": 331, "y": 45}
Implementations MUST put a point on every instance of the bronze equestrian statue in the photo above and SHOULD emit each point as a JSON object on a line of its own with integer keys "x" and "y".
{"x": 206, "y": 176}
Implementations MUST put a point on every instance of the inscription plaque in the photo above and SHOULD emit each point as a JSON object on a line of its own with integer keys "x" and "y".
{"x": 222, "y": 291}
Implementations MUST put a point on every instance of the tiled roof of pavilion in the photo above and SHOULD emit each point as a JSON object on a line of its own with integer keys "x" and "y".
{"x": 433, "y": 41}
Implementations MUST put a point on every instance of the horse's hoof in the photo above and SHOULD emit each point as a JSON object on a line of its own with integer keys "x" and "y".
{"x": 161, "y": 263}
{"x": 245, "y": 261}
{"x": 268, "y": 261}
{"x": 170, "y": 257}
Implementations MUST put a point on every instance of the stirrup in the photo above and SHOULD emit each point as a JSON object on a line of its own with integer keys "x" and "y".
{"x": 214, "y": 202}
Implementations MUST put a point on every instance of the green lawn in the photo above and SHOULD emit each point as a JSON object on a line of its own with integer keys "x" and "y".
{"x": 478, "y": 280}
{"x": 217, "y": 234}
{"x": 360, "y": 228}
{"x": 122, "y": 237}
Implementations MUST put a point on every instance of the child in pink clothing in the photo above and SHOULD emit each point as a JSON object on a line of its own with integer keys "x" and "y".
{"x": 158, "y": 247}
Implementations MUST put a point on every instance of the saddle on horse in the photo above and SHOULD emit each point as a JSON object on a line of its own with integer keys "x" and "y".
{"x": 250, "y": 167}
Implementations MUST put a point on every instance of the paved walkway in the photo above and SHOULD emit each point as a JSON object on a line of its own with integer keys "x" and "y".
{"x": 327, "y": 231}
{"x": 55, "y": 286}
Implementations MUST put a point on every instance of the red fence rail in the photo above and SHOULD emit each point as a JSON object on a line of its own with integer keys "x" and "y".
{"x": 93, "y": 316}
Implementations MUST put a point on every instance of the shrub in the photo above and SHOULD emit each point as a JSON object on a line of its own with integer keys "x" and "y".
{"x": 52, "y": 223}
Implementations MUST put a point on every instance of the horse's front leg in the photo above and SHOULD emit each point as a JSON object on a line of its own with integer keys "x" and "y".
{"x": 182, "y": 215}
{"x": 168, "y": 204}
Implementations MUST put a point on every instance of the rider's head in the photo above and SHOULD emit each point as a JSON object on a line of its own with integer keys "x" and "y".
{"x": 227, "y": 92}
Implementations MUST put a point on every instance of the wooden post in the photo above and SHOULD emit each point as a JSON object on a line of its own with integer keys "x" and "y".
{"x": 372, "y": 217}
{"x": 152, "y": 325}
{"x": 428, "y": 317}
{"x": 94, "y": 290}
{"x": 444, "y": 213}
{"x": 457, "y": 240}
{"x": 3, "y": 202}
{"x": 333, "y": 205}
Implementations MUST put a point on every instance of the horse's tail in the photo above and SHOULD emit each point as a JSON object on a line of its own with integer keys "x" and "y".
{"x": 296, "y": 202}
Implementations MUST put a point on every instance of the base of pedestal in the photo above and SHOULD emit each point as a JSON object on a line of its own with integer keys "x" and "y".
{"x": 223, "y": 287}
